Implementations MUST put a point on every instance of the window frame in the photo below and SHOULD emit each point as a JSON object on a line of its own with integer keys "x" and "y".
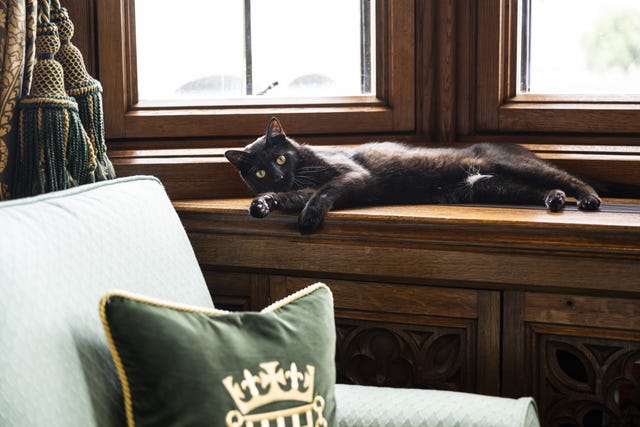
{"x": 392, "y": 110}
{"x": 499, "y": 108}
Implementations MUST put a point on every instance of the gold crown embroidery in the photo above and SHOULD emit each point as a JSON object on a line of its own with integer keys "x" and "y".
{"x": 274, "y": 384}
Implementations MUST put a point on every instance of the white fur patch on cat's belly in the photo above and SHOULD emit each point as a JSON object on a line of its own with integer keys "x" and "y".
{"x": 475, "y": 178}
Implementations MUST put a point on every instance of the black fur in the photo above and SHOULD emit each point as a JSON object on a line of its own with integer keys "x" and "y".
{"x": 292, "y": 177}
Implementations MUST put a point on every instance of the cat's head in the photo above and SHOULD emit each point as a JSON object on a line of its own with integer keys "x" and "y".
{"x": 268, "y": 163}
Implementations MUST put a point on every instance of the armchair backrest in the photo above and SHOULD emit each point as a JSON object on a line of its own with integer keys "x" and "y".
{"x": 59, "y": 253}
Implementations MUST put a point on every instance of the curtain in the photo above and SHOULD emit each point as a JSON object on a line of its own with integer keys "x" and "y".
{"x": 17, "y": 55}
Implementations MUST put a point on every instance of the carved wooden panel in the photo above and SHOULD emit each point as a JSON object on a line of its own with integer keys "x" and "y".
{"x": 580, "y": 355}
{"x": 410, "y": 335}
{"x": 402, "y": 355}
{"x": 584, "y": 381}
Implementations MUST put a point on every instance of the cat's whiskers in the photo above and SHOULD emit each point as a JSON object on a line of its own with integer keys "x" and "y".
{"x": 318, "y": 168}
{"x": 310, "y": 176}
{"x": 307, "y": 180}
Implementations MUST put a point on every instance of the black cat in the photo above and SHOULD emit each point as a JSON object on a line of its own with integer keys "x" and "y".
{"x": 312, "y": 180}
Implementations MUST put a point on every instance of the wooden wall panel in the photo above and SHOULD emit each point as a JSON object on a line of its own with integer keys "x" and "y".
{"x": 383, "y": 298}
{"x": 578, "y": 356}
{"x": 82, "y": 14}
{"x": 446, "y": 72}
{"x": 237, "y": 291}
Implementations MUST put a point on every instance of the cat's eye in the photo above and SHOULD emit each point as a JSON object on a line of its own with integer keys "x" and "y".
{"x": 281, "y": 160}
{"x": 261, "y": 173}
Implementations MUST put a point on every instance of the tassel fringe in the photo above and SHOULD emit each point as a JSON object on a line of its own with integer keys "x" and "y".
{"x": 54, "y": 150}
{"x": 89, "y": 99}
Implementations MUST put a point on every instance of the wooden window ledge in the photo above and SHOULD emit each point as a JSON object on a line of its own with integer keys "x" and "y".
{"x": 479, "y": 246}
{"x": 492, "y": 247}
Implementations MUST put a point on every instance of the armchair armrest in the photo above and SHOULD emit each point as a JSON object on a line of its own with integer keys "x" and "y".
{"x": 365, "y": 406}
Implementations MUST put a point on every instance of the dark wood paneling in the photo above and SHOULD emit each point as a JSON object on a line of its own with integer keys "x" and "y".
{"x": 571, "y": 250}
{"x": 513, "y": 352}
{"x": 394, "y": 354}
{"x": 186, "y": 177}
{"x": 384, "y": 298}
{"x": 489, "y": 342}
{"x": 446, "y": 71}
{"x": 425, "y": 68}
{"x": 578, "y": 356}
{"x": 82, "y": 14}
{"x": 579, "y": 310}
{"x": 237, "y": 291}
{"x": 584, "y": 376}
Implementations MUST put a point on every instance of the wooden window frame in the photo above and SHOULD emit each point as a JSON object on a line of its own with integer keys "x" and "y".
{"x": 501, "y": 109}
{"x": 392, "y": 110}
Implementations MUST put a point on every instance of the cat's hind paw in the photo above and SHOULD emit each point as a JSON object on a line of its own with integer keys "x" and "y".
{"x": 589, "y": 203}
{"x": 554, "y": 200}
{"x": 261, "y": 206}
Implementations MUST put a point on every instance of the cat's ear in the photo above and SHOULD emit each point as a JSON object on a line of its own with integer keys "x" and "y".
{"x": 240, "y": 159}
{"x": 275, "y": 131}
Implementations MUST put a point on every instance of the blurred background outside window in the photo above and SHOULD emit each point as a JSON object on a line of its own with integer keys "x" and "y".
{"x": 579, "y": 47}
{"x": 213, "y": 49}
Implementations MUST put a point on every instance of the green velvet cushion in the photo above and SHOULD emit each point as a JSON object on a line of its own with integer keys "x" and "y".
{"x": 191, "y": 366}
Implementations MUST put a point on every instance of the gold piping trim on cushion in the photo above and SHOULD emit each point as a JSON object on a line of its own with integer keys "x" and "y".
{"x": 118, "y": 362}
{"x": 295, "y": 296}
{"x": 162, "y": 303}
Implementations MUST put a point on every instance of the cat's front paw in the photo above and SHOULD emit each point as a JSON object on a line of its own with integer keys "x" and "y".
{"x": 310, "y": 218}
{"x": 261, "y": 206}
{"x": 555, "y": 200}
{"x": 590, "y": 202}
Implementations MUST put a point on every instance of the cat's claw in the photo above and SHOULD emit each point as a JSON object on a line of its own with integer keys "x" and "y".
{"x": 589, "y": 203}
{"x": 261, "y": 206}
{"x": 555, "y": 200}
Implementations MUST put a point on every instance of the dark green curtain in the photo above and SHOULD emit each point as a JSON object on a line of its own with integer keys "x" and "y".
{"x": 17, "y": 37}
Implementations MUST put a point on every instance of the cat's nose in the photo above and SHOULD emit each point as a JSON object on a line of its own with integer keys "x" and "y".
{"x": 278, "y": 177}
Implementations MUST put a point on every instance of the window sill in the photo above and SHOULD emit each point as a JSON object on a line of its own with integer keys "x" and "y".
{"x": 491, "y": 247}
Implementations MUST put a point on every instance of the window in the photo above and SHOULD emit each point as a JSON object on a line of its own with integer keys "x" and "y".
{"x": 279, "y": 49}
{"x": 579, "y": 47}
{"x": 542, "y": 67}
{"x": 163, "y": 83}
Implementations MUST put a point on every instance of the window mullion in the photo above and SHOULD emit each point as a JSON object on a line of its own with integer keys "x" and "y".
{"x": 365, "y": 46}
{"x": 248, "y": 54}
{"x": 525, "y": 47}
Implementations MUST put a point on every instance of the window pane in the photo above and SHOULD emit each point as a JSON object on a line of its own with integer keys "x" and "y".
{"x": 207, "y": 49}
{"x": 580, "y": 46}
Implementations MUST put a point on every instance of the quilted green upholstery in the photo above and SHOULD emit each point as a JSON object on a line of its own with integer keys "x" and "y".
{"x": 59, "y": 254}
{"x": 360, "y": 406}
